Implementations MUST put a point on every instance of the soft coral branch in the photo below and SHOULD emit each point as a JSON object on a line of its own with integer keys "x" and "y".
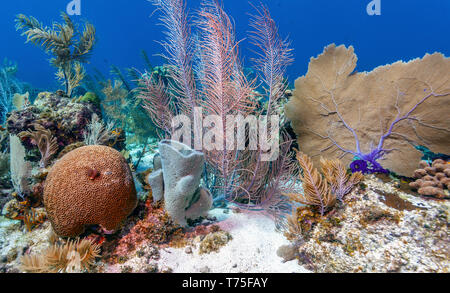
{"x": 274, "y": 54}
{"x": 179, "y": 50}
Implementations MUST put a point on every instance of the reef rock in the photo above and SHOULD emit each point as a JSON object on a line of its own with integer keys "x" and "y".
{"x": 66, "y": 118}
{"x": 379, "y": 229}
{"x": 178, "y": 182}
{"x": 90, "y": 185}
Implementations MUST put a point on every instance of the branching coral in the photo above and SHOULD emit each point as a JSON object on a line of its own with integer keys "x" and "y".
{"x": 432, "y": 180}
{"x": 316, "y": 191}
{"x": 44, "y": 140}
{"x": 71, "y": 257}
{"x": 377, "y": 117}
{"x": 340, "y": 182}
{"x": 65, "y": 42}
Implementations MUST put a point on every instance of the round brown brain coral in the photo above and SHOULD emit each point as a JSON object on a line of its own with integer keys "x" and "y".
{"x": 91, "y": 185}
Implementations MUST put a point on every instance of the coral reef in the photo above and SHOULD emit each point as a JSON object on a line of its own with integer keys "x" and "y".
{"x": 433, "y": 180}
{"x": 369, "y": 234}
{"x": 377, "y": 117}
{"x": 69, "y": 47}
{"x": 252, "y": 177}
{"x": 66, "y": 119}
{"x": 71, "y": 257}
{"x": 181, "y": 171}
{"x": 90, "y": 185}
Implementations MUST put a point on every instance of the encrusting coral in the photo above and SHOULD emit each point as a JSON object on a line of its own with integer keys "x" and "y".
{"x": 90, "y": 185}
{"x": 71, "y": 257}
{"x": 377, "y": 117}
{"x": 433, "y": 180}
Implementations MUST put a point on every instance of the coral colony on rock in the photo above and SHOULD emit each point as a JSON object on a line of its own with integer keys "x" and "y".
{"x": 204, "y": 165}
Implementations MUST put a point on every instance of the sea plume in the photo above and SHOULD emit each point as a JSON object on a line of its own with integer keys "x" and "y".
{"x": 207, "y": 78}
{"x": 44, "y": 140}
{"x": 316, "y": 191}
{"x": 340, "y": 182}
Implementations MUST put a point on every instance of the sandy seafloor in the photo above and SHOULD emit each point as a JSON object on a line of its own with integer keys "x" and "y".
{"x": 253, "y": 249}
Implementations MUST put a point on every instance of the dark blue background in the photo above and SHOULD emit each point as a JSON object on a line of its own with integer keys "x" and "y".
{"x": 406, "y": 29}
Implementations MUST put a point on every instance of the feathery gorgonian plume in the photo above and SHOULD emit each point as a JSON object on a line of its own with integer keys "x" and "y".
{"x": 216, "y": 82}
{"x": 340, "y": 182}
{"x": 157, "y": 102}
{"x": 44, "y": 140}
{"x": 274, "y": 54}
{"x": 316, "y": 191}
{"x": 225, "y": 90}
{"x": 179, "y": 51}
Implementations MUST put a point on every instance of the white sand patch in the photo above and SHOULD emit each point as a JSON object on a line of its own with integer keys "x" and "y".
{"x": 252, "y": 249}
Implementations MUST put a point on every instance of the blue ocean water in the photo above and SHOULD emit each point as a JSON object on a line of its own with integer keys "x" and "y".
{"x": 405, "y": 29}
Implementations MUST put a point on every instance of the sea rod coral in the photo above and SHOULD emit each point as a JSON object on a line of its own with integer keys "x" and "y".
{"x": 376, "y": 117}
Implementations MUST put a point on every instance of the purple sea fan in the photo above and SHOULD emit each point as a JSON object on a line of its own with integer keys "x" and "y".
{"x": 378, "y": 116}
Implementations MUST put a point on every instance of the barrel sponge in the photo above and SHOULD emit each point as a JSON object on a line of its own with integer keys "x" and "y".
{"x": 91, "y": 185}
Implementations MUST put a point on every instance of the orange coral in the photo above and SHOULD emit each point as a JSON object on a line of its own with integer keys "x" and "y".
{"x": 316, "y": 191}
{"x": 75, "y": 198}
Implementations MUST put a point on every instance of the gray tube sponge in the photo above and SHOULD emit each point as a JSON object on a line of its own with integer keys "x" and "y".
{"x": 178, "y": 182}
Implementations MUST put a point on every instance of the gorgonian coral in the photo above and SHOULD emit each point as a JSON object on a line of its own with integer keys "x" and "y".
{"x": 377, "y": 117}
{"x": 206, "y": 73}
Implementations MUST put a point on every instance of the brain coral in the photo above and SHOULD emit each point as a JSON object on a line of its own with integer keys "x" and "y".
{"x": 91, "y": 185}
